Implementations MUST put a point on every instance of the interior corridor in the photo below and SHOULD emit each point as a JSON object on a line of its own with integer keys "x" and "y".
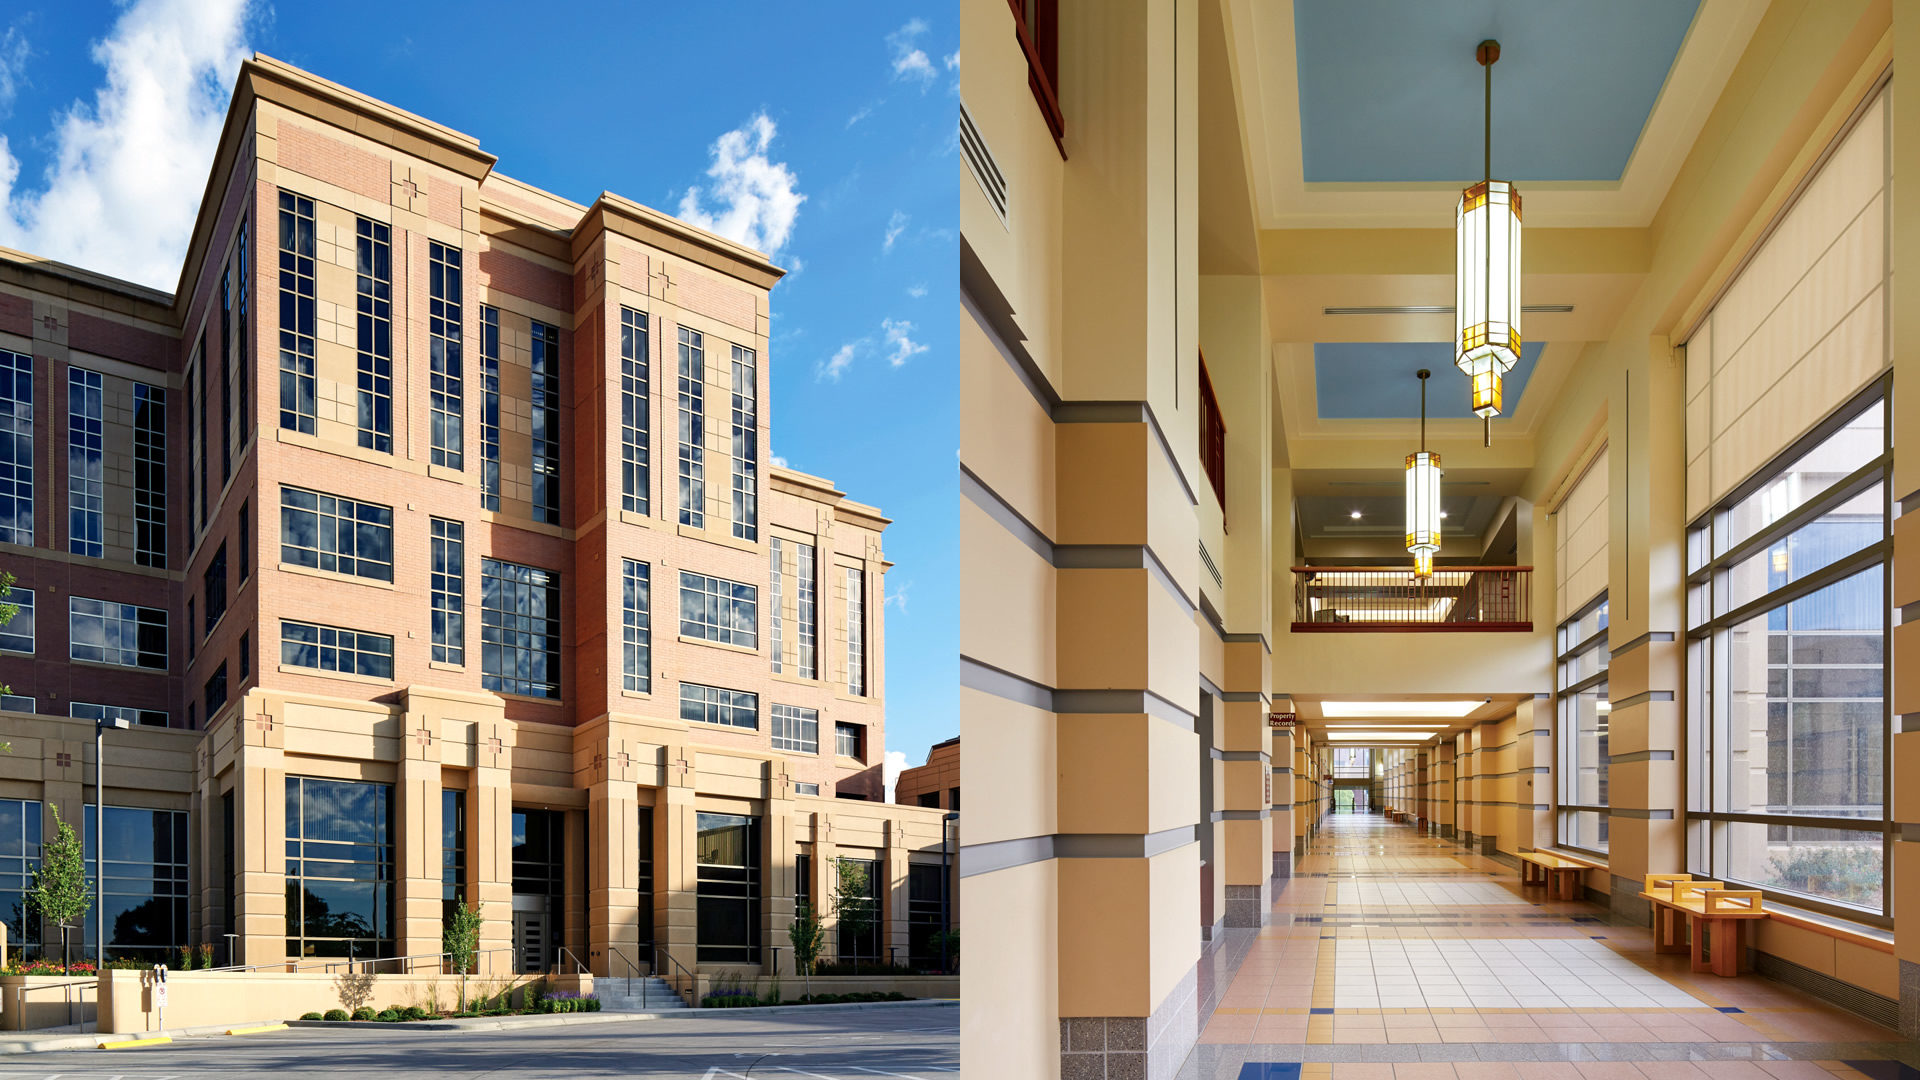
{"x": 1396, "y": 955}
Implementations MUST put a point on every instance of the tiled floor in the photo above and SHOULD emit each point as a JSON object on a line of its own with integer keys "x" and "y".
{"x": 1393, "y": 955}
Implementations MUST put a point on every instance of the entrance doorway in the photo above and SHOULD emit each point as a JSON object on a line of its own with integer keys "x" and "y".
{"x": 532, "y": 935}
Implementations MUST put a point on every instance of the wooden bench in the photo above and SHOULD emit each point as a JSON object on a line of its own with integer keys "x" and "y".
{"x": 1716, "y": 916}
{"x": 1566, "y": 879}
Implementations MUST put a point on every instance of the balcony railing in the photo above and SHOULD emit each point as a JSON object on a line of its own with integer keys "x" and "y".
{"x": 1373, "y": 599}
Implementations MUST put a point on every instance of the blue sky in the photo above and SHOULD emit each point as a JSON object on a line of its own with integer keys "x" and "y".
{"x": 108, "y": 113}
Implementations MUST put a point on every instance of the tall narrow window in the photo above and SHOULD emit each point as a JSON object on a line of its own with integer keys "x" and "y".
{"x": 226, "y": 375}
{"x": 856, "y": 631}
{"x": 17, "y": 634}
{"x": 16, "y": 448}
{"x": 636, "y": 660}
{"x": 806, "y": 612}
{"x": 453, "y": 851}
{"x": 777, "y": 594}
{"x": 519, "y": 629}
{"x": 86, "y": 450}
{"x": 449, "y": 591}
{"x": 149, "y": 475}
{"x": 374, "y": 276}
{"x": 297, "y": 387}
{"x": 693, "y": 420}
{"x": 201, "y": 447}
{"x": 635, "y": 404}
{"x": 215, "y": 691}
{"x": 1581, "y": 648}
{"x": 214, "y": 585}
{"x": 746, "y": 448}
{"x": 340, "y": 868}
{"x": 246, "y": 653}
{"x": 546, "y": 423}
{"x": 727, "y": 889}
{"x": 443, "y": 339}
{"x": 246, "y": 539}
{"x": 489, "y": 407}
{"x": 243, "y": 335}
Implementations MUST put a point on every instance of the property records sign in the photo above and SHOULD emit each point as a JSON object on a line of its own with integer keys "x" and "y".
{"x": 1284, "y": 720}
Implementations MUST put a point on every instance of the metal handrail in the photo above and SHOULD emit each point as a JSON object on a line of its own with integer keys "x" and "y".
{"x": 633, "y": 969}
{"x": 578, "y": 967}
{"x": 693, "y": 988}
{"x": 20, "y": 998}
{"x": 351, "y": 962}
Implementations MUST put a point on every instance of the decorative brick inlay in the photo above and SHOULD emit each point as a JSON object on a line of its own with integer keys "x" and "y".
{"x": 63, "y": 759}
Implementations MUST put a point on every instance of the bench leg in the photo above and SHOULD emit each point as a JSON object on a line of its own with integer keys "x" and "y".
{"x": 1667, "y": 931}
{"x": 1728, "y": 946}
{"x": 1699, "y": 927}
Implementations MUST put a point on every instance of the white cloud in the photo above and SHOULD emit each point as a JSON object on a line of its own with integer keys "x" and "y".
{"x": 896, "y": 225}
{"x": 837, "y": 364}
{"x": 917, "y": 291}
{"x": 897, "y": 595}
{"x": 780, "y": 462}
{"x": 755, "y": 200}
{"x": 909, "y": 62}
{"x": 891, "y": 769}
{"x": 863, "y": 112}
{"x": 126, "y": 172}
{"x": 13, "y": 66}
{"x": 904, "y": 347}
{"x": 953, "y": 61}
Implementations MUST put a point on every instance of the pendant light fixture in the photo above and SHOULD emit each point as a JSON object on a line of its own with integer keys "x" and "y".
{"x": 1487, "y": 274}
{"x": 1423, "y": 496}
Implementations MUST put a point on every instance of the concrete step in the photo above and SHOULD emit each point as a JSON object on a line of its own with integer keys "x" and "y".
{"x": 615, "y": 996}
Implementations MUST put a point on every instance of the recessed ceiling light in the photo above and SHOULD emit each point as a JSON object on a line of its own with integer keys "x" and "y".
{"x": 1452, "y": 710}
{"x": 1443, "y": 515}
{"x": 1377, "y": 736}
{"x": 1355, "y": 515}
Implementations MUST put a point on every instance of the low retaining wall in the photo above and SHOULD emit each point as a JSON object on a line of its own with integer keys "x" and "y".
{"x": 50, "y": 1001}
{"x": 197, "y": 998}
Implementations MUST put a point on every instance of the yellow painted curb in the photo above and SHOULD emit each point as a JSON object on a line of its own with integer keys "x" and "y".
{"x": 256, "y": 1030}
{"x": 130, "y": 1044}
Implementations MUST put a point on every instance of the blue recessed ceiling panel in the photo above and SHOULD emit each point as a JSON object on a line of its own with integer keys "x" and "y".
{"x": 1369, "y": 380}
{"x": 1390, "y": 91}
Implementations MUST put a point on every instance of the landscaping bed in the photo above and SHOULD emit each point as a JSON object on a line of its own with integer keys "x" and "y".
{"x": 734, "y": 999}
{"x": 537, "y": 1004}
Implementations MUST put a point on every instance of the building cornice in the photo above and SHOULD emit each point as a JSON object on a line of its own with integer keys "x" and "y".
{"x": 622, "y": 216}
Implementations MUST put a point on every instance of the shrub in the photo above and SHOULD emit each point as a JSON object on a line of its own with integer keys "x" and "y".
{"x": 311, "y": 1016}
{"x": 895, "y": 995}
{"x": 364, "y": 1012}
{"x": 335, "y": 1015}
{"x": 415, "y": 1012}
{"x": 388, "y": 1016}
{"x": 729, "y": 1000}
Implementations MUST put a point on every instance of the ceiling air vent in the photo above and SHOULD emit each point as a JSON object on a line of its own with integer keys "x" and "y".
{"x": 979, "y": 159}
{"x": 1437, "y": 309}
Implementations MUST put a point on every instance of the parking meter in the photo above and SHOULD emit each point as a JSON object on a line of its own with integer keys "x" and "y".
{"x": 160, "y": 993}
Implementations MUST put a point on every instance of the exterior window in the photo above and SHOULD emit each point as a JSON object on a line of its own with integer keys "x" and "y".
{"x": 636, "y": 404}
{"x": 340, "y": 869}
{"x": 929, "y": 798}
{"x": 693, "y": 421}
{"x": 1037, "y": 25}
{"x": 123, "y": 634}
{"x": 806, "y": 612}
{"x": 865, "y": 945}
{"x": 856, "y": 631}
{"x": 636, "y": 626}
{"x": 1788, "y": 730}
{"x": 448, "y": 577}
{"x": 776, "y": 620}
{"x": 335, "y": 649}
{"x": 246, "y": 653}
{"x": 519, "y": 629}
{"x": 546, "y": 423}
{"x": 214, "y": 584}
{"x": 746, "y": 452}
{"x": 81, "y": 710}
{"x": 453, "y": 851}
{"x": 795, "y": 729}
{"x": 539, "y": 869}
{"x": 18, "y": 703}
{"x": 19, "y": 855}
{"x": 197, "y": 433}
{"x": 216, "y": 691}
{"x": 243, "y": 336}
{"x": 16, "y": 448}
{"x": 17, "y": 634}
{"x": 337, "y": 535}
{"x": 86, "y": 465}
{"x": 489, "y": 408}
{"x": 926, "y": 906}
{"x": 727, "y": 889}
{"x": 246, "y": 539}
{"x": 718, "y": 610}
{"x": 803, "y": 865}
{"x": 806, "y": 789}
{"x": 374, "y": 277}
{"x": 297, "y": 387}
{"x": 850, "y": 740}
{"x": 149, "y": 475}
{"x": 1584, "y": 712}
{"x": 714, "y": 705}
{"x": 192, "y": 638}
{"x": 643, "y": 873}
{"x": 447, "y": 392}
{"x": 226, "y": 375}
{"x": 144, "y": 886}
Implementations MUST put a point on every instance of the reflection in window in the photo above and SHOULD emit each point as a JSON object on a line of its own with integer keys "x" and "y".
{"x": 636, "y": 626}
{"x": 145, "y": 882}
{"x": 149, "y": 475}
{"x": 453, "y": 851}
{"x": 692, "y": 374}
{"x": 16, "y": 634}
{"x": 446, "y": 400}
{"x": 374, "y": 297}
{"x": 1583, "y": 727}
{"x": 19, "y": 854}
{"x": 715, "y": 705}
{"x": 86, "y": 464}
{"x": 109, "y": 633}
{"x": 519, "y": 629}
{"x": 489, "y": 407}
{"x": 16, "y": 448}
{"x": 862, "y": 879}
{"x": 856, "y": 632}
{"x": 796, "y": 729}
{"x": 336, "y": 649}
{"x": 297, "y": 320}
{"x": 715, "y": 609}
{"x": 340, "y": 868}
{"x": 636, "y": 406}
{"x": 728, "y": 889}
{"x": 746, "y": 448}
{"x": 544, "y": 401}
{"x": 334, "y": 534}
{"x": 447, "y": 584}
{"x": 82, "y": 710}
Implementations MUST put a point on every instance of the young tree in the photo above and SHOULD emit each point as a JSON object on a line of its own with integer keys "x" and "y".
{"x": 807, "y": 936}
{"x": 852, "y": 904}
{"x": 61, "y": 892}
{"x": 461, "y": 939}
{"x": 7, "y": 612}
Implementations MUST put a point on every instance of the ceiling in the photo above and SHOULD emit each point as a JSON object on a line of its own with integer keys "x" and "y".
{"x": 1389, "y": 91}
{"x": 1330, "y": 531}
{"x": 1307, "y": 707}
{"x": 1376, "y": 380}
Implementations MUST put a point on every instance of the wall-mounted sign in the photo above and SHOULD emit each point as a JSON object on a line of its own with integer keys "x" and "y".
{"x": 1281, "y": 720}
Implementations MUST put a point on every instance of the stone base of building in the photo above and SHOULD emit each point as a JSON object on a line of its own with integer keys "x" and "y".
{"x": 1248, "y": 905}
{"x": 1299, "y": 847}
{"x": 1466, "y": 840}
{"x": 1625, "y": 905}
{"x": 1910, "y": 999}
{"x": 1151, "y": 1048}
{"x": 1283, "y": 864}
{"x": 1487, "y": 845}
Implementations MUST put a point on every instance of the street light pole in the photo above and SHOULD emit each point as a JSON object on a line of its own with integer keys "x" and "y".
{"x": 100, "y": 837}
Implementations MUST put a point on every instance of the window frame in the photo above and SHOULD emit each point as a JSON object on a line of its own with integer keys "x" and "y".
{"x": 338, "y": 648}
{"x": 521, "y": 576}
{"x": 447, "y": 589}
{"x": 130, "y": 613}
{"x": 373, "y": 323}
{"x": 86, "y": 486}
{"x": 1706, "y": 713}
{"x": 1567, "y": 695}
{"x": 723, "y": 593}
{"x": 782, "y": 726}
{"x": 446, "y": 396}
{"x": 1037, "y": 27}
{"x": 16, "y": 422}
{"x": 636, "y": 626}
{"x": 636, "y": 406}
{"x": 338, "y": 555}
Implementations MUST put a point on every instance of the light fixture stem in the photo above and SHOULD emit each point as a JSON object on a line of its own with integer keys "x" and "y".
{"x": 1487, "y": 141}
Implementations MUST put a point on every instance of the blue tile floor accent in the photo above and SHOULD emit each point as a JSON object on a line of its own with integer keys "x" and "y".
{"x": 1729, "y": 1009}
{"x": 1268, "y": 1070}
{"x": 1318, "y": 1012}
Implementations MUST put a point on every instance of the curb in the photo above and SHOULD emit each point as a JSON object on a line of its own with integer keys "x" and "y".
{"x": 842, "y": 1006}
{"x": 511, "y": 1023}
{"x": 91, "y": 1040}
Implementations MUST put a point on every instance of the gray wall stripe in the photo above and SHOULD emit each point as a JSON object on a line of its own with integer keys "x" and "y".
{"x": 988, "y": 679}
{"x": 1006, "y": 854}
{"x": 977, "y": 492}
{"x": 1244, "y": 755}
{"x": 1640, "y": 755}
{"x": 1243, "y": 815}
{"x": 1643, "y": 698}
{"x": 1643, "y": 639}
{"x": 1644, "y": 815}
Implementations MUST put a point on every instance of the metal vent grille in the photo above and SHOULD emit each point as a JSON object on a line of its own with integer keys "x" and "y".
{"x": 1881, "y": 1010}
{"x": 1206, "y": 560}
{"x": 979, "y": 159}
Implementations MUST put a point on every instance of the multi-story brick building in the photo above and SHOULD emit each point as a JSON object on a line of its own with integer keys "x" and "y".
{"x": 430, "y": 538}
